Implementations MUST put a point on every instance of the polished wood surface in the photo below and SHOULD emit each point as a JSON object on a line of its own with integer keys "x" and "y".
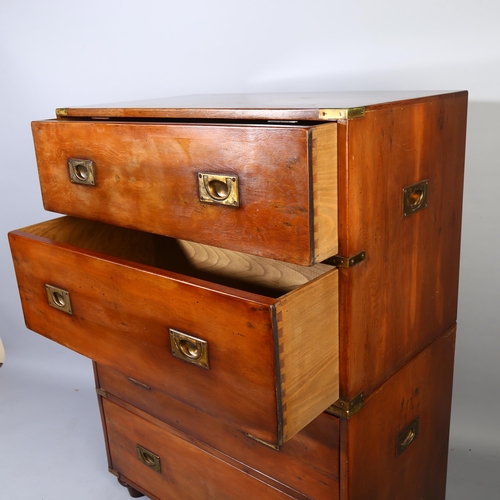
{"x": 307, "y": 466}
{"x": 187, "y": 472}
{"x": 123, "y": 310}
{"x": 147, "y": 179}
{"x": 370, "y": 466}
{"x": 277, "y": 106}
{"x": 404, "y": 294}
{"x": 325, "y": 189}
{"x": 287, "y": 337}
{"x": 227, "y": 267}
{"x": 309, "y": 364}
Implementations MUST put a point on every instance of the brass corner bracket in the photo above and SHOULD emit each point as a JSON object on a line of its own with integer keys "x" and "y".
{"x": 334, "y": 114}
{"x": 101, "y": 392}
{"x": 347, "y": 262}
{"x": 346, "y": 409}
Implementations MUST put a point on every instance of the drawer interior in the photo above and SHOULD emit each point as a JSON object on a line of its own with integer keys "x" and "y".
{"x": 254, "y": 274}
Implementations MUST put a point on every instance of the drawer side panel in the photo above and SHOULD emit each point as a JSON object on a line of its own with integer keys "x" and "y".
{"x": 325, "y": 197}
{"x": 308, "y": 337}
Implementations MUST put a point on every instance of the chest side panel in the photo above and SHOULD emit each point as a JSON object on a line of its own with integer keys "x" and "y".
{"x": 404, "y": 294}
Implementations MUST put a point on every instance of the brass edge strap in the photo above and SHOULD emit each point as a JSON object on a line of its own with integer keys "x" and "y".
{"x": 279, "y": 399}
{"x": 140, "y": 384}
{"x": 346, "y": 409}
{"x": 269, "y": 445}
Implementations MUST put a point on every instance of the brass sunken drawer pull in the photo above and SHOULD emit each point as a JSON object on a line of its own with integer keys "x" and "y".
{"x": 221, "y": 189}
{"x": 406, "y": 437}
{"x": 81, "y": 171}
{"x": 189, "y": 348}
{"x": 59, "y": 298}
{"x": 148, "y": 458}
{"x": 415, "y": 198}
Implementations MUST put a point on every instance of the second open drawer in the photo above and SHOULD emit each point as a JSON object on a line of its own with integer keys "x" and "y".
{"x": 251, "y": 341}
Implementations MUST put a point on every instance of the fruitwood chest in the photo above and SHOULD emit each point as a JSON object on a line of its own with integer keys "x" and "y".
{"x": 267, "y": 285}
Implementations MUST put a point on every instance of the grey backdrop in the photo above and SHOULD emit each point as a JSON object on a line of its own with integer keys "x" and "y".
{"x": 57, "y": 53}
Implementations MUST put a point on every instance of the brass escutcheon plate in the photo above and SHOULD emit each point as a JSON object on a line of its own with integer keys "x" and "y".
{"x": 81, "y": 171}
{"x": 189, "y": 348}
{"x": 415, "y": 198}
{"x": 406, "y": 437}
{"x": 59, "y": 298}
{"x": 148, "y": 458}
{"x": 220, "y": 189}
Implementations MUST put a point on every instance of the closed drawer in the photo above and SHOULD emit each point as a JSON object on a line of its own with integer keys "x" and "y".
{"x": 307, "y": 466}
{"x": 270, "y": 362}
{"x": 167, "y": 465}
{"x": 147, "y": 176}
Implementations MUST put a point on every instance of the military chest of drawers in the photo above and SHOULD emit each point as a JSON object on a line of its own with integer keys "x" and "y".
{"x": 267, "y": 285}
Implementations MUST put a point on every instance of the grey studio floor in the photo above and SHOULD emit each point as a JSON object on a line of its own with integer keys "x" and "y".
{"x": 52, "y": 445}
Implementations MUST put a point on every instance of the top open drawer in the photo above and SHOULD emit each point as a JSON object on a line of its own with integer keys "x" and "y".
{"x": 267, "y": 190}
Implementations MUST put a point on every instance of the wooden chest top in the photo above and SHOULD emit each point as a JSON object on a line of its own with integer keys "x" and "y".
{"x": 309, "y": 106}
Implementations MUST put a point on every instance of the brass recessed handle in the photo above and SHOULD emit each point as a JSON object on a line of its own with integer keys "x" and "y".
{"x": 59, "y": 298}
{"x": 189, "y": 348}
{"x": 415, "y": 198}
{"x": 406, "y": 437}
{"x": 81, "y": 171}
{"x": 148, "y": 458}
{"x": 220, "y": 189}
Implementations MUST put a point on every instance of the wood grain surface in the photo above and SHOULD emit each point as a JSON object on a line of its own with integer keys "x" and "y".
{"x": 264, "y": 106}
{"x": 123, "y": 310}
{"x": 369, "y": 463}
{"x": 147, "y": 178}
{"x": 307, "y": 466}
{"x": 187, "y": 471}
{"x": 309, "y": 362}
{"x": 325, "y": 187}
{"x": 404, "y": 295}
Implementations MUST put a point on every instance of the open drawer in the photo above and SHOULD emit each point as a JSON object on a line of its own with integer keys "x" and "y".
{"x": 263, "y": 189}
{"x": 251, "y": 341}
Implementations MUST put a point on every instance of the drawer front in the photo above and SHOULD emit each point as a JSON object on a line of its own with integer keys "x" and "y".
{"x": 308, "y": 463}
{"x": 272, "y": 363}
{"x": 166, "y": 466}
{"x": 148, "y": 176}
